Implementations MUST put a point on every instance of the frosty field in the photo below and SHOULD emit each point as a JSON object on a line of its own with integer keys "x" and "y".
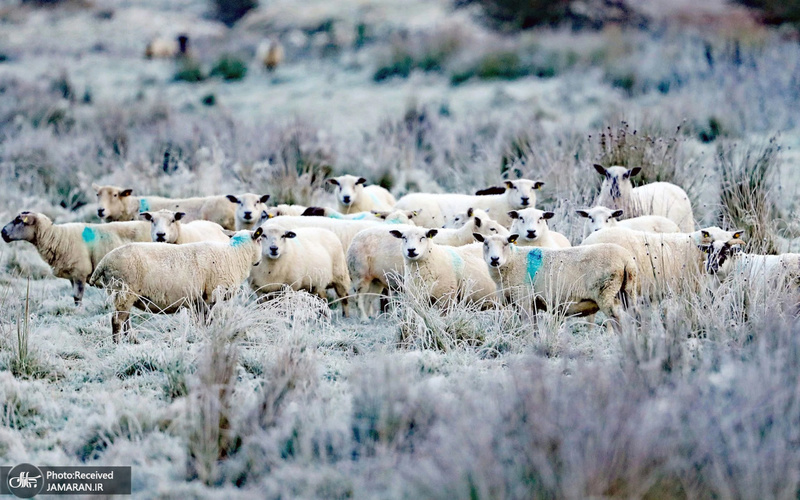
{"x": 697, "y": 397}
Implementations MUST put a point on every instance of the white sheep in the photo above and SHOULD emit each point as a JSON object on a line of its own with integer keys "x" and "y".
{"x": 601, "y": 217}
{"x": 438, "y": 208}
{"x": 281, "y": 210}
{"x": 310, "y": 259}
{"x": 162, "y": 278}
{"x": 531, "y": 226}
{"x": 166, "y": 227}
{"x": 445, "y": 273}
{"x": 375, "y": 258}
{"x": 388, "y": 216}
{"x": 667, "y": 262}
{"x": 353, "y": 195}
{"x": 345, "y": 230}
{"x": 271, "y": 54}
{"x": 119, "y": 204}
{"x": 579, "y": 280}
{"x": 165, "y": 48}
{"x": 73, "y": 250}
{"x": 249, "y": 207}
{"x": 656, "y": 198}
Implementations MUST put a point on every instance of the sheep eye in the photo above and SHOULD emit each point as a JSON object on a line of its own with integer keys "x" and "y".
{"x": 493, "y": 229}
{"x": 115, "y": 196}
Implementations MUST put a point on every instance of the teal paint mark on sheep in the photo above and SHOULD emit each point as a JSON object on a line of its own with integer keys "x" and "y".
{"x": 534, "y": 263}
{"x": 144, "y": 205}
{"x": 239, "y": 239}
{"x": 359, "y": 217}
{"x": 458, "y": 262}
{"x": 89, "y": 235}
{"x": 375, "y": 199}
{"x": 334, "y": 215}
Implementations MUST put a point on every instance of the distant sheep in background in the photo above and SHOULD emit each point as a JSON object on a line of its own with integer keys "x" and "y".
{"x": 166, "y": 227}
{"x": 353, "y": 195}
{"x": 601, "y": 217}
{"x": 249, "y": 207}
{"x": 531, "y": 226}
{"x": 164, "y": 48}
{"x": 271, "y": 54}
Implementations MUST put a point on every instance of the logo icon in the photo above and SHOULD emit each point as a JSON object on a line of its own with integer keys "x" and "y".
{"x": 25, "y": 481}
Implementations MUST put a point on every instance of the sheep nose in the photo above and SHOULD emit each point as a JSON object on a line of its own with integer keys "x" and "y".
{"x": 161, "y": 236}
{"x": 346, "y": 200}
{"x": 531, "y": 234}
{"x": 412, "y": 252}
{"x": 273, "y": 250}
{"x": 495, "y": 261}
{"x": 5, "y": 236}
{"x": 248, "y": 215}
{"x": 525, "y": 201}
{"x": 100, "y": 212}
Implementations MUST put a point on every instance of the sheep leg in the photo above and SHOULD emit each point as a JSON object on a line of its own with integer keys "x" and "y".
{"x": 341, "y": 292}
{"x": 356, "y": 290}
{"x": 78, "y": 286}
{"x": 120, "y": 318}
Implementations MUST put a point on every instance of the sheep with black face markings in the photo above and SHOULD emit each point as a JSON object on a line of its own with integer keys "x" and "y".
{"x": 656, "y": 198}
{"x": 163, "y": 278}
{"x": 375, "y": 258}
{"x": 601, "y": 217}
{"x": 581, "y": 280}
{"x": 301, "y": 259}
{"x": 438, "y": 208}
{"x": 249, "y": 207}
{"x": 166, "y": 226}
{"x": 73, "y": 250}
{"x": 281, "y": 210}
{"x": 445, "y": 273}
{"x": 531, "y": 225}
{"x": 353, "y": 195}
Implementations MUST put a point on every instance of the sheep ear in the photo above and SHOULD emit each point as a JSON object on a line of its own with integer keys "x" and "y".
{"x": 633, "y": 172}
{"x": 478, "y": 237}
{"x": 616, "y": 214}
{"x": 126, "y": 192}
{"x": 431, "y": 233}
{"x": 512, "y": 238}
{"x": 738, "y": 234}
{"x": 382, "y": 215}
{"x": 179, "y": 215}
{"x": 258, "y": 232}
{"x": 705, "y": 234}
{"x": 470, "y": 211}
{"x": 478, "y": 222}
{"x": 582, "y": 213}
{"x": 416, "y": 212}
{"x": 508, "y": 184}
{"x": 289, "y": 234}
{"x": 396, "y": 233}
{"x": 96, "y": 187}
{"x": 513, "y": 214}
{"x": 264, "y": 198}
{"x": 232, "y": 198}
{"x": 361, "y": 180}
{"x": 538, "y": 184}
{"x": 600, "y": 169}
{"x": 333, "y": 181}
{"x": 146, "y": 216}
{"x": 548, "y": 215}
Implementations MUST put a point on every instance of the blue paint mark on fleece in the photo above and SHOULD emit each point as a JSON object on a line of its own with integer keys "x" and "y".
{"x": 89, "y": 235}
{"x": 334, "y": 215}
{"x": 239, "y": 239}
{"x": 534, "y": 264}
{"x": 375, "y": 199}
{"x": 144, "y": 205}
{"x": 458, "y": 262}
{"x": 359, "y": 217}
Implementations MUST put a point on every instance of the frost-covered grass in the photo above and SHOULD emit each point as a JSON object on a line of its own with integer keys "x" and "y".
{"x": 697, "y": 397}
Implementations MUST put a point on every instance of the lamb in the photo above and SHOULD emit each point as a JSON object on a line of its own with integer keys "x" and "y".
{"x": 437, "y": 208}
{"x": 164, "y": 48}
{"x": 166, "y": 227}
{"x": 249, "y": 207}
{"x": 162, "y": 278}
{"x": 531, "y": 225}
{"x": 600, "y": 217}
{"x": 308, "y": 259}
{"x": 476, "y": 221}
{"x": 281, "y": 210}
{"x": 119, "y": 204}
{"x": 446, "y": 273}
{"x": 657, "y": 198}
{"x": 375, "y": 257}
{"x": 581, "y": 280}
{"x": 353, "y": 195}
{"x": 345, "y": 230}
{"x": 73, "y": 250}
{"x": 667, "y": 261}
{"x": 389, "y": 217}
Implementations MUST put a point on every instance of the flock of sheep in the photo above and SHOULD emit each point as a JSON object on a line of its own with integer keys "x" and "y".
{"x": 270, "y": 53}
{"x": 161, "y": 254}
